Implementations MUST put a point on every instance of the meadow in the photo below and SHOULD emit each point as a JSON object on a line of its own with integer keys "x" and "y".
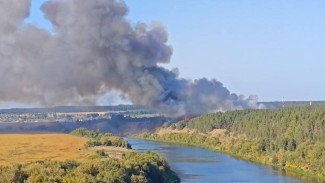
{"x": 24, "y": 148}
{"x": 82, "y": 156}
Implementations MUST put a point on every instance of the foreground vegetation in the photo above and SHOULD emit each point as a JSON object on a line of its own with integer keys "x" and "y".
{"x": 133, "y": 167}
{"x": 98, "y": 164}
{"x": 292, "y": 138}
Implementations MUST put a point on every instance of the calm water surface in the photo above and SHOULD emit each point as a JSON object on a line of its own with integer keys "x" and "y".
{"x": 199, "y": 165}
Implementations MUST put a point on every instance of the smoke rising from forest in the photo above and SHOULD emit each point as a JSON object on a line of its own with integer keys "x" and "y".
{"x": 92, "y": 51}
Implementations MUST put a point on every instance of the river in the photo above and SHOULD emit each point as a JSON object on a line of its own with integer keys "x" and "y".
{"x": 203, "y": 166}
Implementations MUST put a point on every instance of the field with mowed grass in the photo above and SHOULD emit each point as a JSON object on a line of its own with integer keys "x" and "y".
{"x": 24, "y": 148}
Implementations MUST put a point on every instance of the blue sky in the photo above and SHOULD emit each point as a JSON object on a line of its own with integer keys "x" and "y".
{"x": 274, "y": 49}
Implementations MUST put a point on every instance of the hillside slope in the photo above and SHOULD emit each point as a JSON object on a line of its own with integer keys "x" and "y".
{"x": 292, "y": 138}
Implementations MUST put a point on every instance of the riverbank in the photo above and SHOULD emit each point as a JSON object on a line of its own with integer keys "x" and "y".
{"x": 193, "y": 164}
{"x": 221, "y": 142}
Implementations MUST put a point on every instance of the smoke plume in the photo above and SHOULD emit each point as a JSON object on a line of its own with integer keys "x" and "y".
{"x": 93, "y": 50}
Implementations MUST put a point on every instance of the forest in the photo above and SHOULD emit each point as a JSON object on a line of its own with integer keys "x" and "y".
{"x": 290, "y": 138}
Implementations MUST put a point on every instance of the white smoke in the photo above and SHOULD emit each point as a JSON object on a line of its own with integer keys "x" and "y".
{"x": 92, "y": 51}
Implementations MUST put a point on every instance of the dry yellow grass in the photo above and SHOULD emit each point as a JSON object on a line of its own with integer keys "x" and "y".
{"x": 24, "y": 148}
{"x": 217, "y": 132}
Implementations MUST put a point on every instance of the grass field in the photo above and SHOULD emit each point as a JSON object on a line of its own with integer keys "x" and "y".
{"x": 24, "y": 148}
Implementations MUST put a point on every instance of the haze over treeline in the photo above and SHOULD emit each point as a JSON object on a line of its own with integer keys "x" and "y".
{"x": 93, "y": 50}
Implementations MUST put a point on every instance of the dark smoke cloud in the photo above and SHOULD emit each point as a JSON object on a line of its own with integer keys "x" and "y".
{"x": 93, "y": 50}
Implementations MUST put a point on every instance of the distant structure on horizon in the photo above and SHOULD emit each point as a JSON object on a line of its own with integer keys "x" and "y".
{"x": 286, "y": 104}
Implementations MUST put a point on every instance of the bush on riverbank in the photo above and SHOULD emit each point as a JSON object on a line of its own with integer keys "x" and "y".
{"x": 96, "y": 138}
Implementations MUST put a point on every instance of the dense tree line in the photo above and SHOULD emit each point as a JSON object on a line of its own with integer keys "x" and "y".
{"x": 281, "y": 129}
{"x": 96, "y": 138}
{"x": 293, "y": 138}
{"x": 133, "y": 168}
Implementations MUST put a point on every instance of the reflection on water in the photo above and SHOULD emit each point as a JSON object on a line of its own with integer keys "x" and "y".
{"x": 199, "y": 165}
